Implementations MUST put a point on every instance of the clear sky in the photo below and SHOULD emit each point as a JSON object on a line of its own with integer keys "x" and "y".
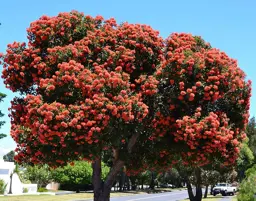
{"x": 229, "y": 25}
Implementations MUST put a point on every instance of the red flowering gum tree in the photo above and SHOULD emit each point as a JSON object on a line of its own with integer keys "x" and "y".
{"x": 91, "y": 86}
{"x": 84, "y": 81}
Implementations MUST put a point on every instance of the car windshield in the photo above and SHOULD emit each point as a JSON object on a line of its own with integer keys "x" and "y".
{"x": 221, "y": 185}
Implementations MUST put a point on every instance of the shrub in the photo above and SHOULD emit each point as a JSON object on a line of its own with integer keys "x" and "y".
{"x": 41, "y": 190}
{"x": 25, "y": 190}
{"x": 247, "y": 189}
{"x": 2, "y": 186}
{"x": 77, "y": 176}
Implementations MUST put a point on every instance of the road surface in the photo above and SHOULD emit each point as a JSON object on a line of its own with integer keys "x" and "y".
{"x": 171, "y": 196}
{"x": 226, "y": 198}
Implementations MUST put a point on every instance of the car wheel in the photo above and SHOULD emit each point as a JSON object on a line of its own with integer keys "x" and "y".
{"x": 224, "y": 193}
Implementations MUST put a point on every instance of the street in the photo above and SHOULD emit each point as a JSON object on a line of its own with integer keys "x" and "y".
{"x": 172, "y": 196}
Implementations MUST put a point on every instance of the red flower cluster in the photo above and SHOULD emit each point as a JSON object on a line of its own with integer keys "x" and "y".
{"x": 91, "y": 84}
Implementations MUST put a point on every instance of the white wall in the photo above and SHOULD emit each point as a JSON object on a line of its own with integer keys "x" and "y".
{"x": 6, "y": 168}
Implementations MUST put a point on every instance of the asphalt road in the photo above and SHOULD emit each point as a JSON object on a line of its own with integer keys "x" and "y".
{"x": 172, "y": 196}
{"x": 226, "y": 198}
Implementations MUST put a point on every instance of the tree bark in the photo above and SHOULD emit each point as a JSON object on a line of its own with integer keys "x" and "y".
{"x": 199, "y": 194}
{"x": 10, "y": 189}
{"x": 102, "y": 193}
{"x": 206, "y": 191}
{"x": 96, "y": 179}
{"x": 105, "y": 196}
{"x": 190, "y": 190}
{"x": 152, "y": 183}
{"x": 121, "y": 181}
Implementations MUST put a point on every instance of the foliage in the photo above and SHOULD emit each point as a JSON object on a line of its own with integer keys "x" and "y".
{"x": 90, "y": 86}
{"x": 2, "y": 186}
{"x": 244, "y": 161}
{"x": 9, "y": 156}
{"x": 247, "y": 189}
{"x": 2, "y": 96}
{"x": 41, "y": 190}
{"x": 40, "y": 175}
{"x": 78, "y": 173}
{"x": 251, "y": 134}
{"x": 25, "y": 190}
{"x": 171, "y": 176}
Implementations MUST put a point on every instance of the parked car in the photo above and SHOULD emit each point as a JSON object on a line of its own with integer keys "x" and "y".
{"x": 167, "y": 186}
{"x": 224, "y": 189}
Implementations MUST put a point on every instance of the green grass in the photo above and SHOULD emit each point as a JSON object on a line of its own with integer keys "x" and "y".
{"x": 234, "y": 198}
{"x": 77, "y": 196}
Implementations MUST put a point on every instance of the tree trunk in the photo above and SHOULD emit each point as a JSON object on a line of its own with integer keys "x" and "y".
{"x": 96, "y": 179}
{"x": 121, "y": 181}
{"x": 133, "y": 182}
{"x": 206, "y": 191}
{"x": 199, "y": 194}
{"x": 142, "y": 183}
{"x": 10, "y": 189}
{"x": 128, "y": 184}
{"x": 152, "y": 183}
{"x": 110, "y": 180}
{"x": 212, "y": 186}
{"x": 102, "y": 192}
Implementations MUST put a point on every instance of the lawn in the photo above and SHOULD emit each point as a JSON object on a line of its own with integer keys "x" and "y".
{"x": 234, "y": 198}
{"x": 214, "y": 198}
{"x": 77, "y": 196}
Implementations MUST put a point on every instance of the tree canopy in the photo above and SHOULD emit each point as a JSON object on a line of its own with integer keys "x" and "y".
{"x": 90, "y": 85}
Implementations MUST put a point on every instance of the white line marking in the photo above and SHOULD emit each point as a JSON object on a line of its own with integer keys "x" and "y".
{"x": 169, "y": 194}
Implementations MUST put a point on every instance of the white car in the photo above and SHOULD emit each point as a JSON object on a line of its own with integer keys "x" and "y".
{"x": 224, "y": 189}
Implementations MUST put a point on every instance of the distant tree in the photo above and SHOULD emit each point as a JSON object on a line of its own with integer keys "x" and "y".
{"x": 9, "y": 156}
{"x": 244, "y": 161}
{"x": 41, "y": 175}
{"x": 247, "y": 190}
{"x": 210, "y": 177}
{"x": 251, "y": 134}
{"x": 170, "y": 176}
{"x": 2, "y": 96}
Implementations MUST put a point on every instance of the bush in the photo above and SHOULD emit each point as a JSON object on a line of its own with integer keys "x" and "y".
{"x": 41, "y": 190}
{"x": 247, "y": 189}
{"x": 40, "y": 175}
{"x": 25, "y": 190}
{"x": 76, "y": 177}
{"x": 2, "y": 186}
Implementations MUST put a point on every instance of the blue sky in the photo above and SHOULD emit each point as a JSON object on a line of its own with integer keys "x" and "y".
{"x": 227, "y": 24}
